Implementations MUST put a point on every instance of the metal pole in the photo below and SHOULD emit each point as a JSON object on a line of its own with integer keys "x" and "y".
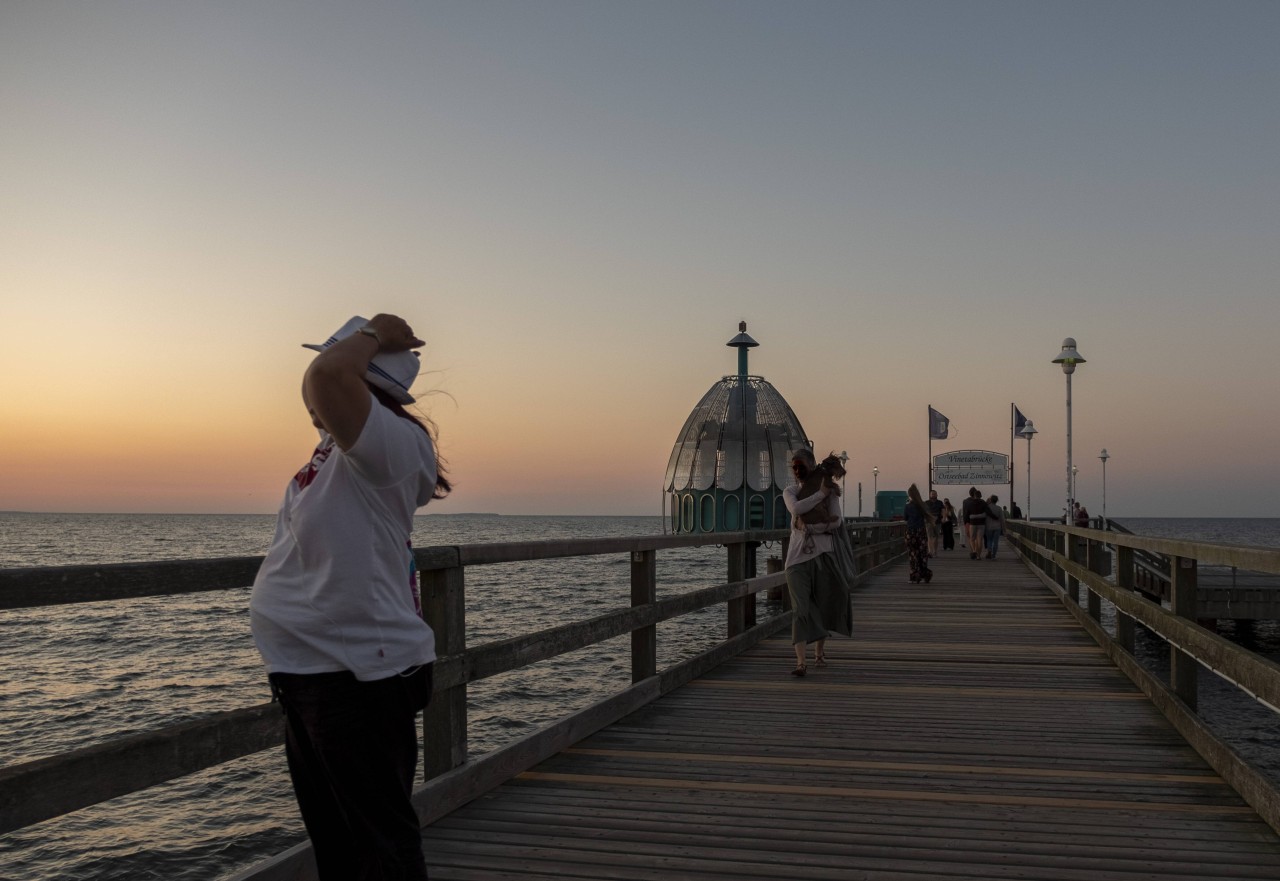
{"x": 1104, "y": 493}
{"x": 1067, "y": 518}
{"x": 844, "y": 484}
{"x": 1028, "y": 476}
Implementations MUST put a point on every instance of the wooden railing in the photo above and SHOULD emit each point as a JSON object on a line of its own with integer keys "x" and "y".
{"x": 34, "y": 791}
{"x": 1068, "y": 558}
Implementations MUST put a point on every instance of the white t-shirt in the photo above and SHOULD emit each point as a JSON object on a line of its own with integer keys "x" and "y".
{"x": 336, "y": 591}
{"x": 796, "y": 553}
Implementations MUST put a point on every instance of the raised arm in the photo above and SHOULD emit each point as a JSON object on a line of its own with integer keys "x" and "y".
{"x": 333, "y": 387}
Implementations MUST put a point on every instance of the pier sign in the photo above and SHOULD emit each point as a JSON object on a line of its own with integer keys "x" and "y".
{"x": 976, "y": 467}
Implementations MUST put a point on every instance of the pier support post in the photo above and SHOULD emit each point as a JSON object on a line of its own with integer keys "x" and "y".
{"x": 1093, "y": 556}
{"x": 1059, "y": 544}
{"x": 743, "y": 608}
{"x": 444, "y": 722}
{"x": 1074, "y": 547}
{"x": 644, "y": 590}
{"x": 1183, "y": 669}
{"x": 1124, "y": 581}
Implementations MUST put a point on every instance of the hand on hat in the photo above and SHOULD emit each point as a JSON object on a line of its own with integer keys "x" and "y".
{"x": 394, "y": 333}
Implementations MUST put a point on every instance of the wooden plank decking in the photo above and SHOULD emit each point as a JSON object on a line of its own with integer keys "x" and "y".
{"x": 969, "y": 730}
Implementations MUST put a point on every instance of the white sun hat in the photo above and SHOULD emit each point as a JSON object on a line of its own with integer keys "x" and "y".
{"x": 393, "y": 372}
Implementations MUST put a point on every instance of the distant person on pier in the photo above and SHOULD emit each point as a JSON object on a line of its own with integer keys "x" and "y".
{"x": 948, "y": 525}
{"x": 916, "y": 514}
{"x": 994, "y": 527}
{"x": 819, "y": 593}
{"x": 1015, "y": 513}
{"x": 934, "y": 507}
{"x": 974, "y": 514}
{"x": 1081, "y": 516}
{"x": 335, "y": 609}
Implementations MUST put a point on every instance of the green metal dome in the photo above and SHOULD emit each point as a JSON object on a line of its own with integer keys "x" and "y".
{"x": 734, "y": 454}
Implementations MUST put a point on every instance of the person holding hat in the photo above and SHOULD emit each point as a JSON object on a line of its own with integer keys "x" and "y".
{"x": 335, "y": 610}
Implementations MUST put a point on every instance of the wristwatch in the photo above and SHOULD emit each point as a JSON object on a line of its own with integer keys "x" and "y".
{"x": 369, "y": 331}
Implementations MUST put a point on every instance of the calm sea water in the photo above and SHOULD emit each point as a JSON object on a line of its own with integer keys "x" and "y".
{"x": 79, "y": 675}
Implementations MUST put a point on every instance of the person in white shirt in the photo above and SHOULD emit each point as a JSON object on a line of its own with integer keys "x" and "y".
{"x": 335, "y": 609}
{"x": 818, "y": 592}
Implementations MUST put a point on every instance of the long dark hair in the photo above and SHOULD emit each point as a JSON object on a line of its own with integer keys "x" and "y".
{"x": 913, "y": 497}
{"x": 443, "y": 486}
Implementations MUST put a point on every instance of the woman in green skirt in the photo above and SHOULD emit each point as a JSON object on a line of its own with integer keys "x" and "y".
{"x": 819, "y": 593}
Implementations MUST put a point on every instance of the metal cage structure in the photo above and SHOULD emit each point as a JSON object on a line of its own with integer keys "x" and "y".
{"x": 732, "y": 458}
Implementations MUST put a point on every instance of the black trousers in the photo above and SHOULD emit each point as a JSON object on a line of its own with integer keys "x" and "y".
{"x": 352, "y": 748}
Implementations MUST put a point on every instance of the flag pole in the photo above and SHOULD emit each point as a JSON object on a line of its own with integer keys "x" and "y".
{"x": 1012, "y": 408}
{"x": 929, "y": 419}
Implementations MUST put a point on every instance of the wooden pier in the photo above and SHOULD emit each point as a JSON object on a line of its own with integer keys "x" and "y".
{"x": 992, "y": 724}
{"x": 970, "y": 729}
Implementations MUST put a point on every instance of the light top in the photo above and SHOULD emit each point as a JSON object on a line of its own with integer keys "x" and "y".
{"x": 1029, "y": 430}
{"x": 1068, "y": 357}
{"x": 742, "y": 340}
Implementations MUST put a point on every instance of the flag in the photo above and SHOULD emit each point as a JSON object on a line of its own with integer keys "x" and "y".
{"x": 1019, "y": 421}
{"x": 939, "y": 425}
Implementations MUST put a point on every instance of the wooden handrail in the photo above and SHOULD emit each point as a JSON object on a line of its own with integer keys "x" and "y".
{"x": 1209, "y": 553}
{"x": 1062, "y": 557}
{"x": 31, "y": 792}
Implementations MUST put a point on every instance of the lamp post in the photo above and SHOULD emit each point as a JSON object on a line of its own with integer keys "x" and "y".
{"x": 1104, "y": 456}
{"x": 875, "y": 491}
{"x": 1075, "y": 479}
{"x": 844, "y": 481}
{"x": 1029, "y": 431}
{"x": 1069, "y": 358}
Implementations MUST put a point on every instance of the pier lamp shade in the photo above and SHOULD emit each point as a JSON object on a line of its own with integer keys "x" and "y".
{"x": 1068, "y": 357}
{"x": 1029, "y": 430}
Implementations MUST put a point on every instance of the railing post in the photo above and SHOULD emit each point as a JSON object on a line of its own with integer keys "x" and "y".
{"x": 782, "y": 567}
{"x": 1093, "y": 552}
{"x": 1061, "y": 544}
{"x": 444, "y": 722}
{"x": 1183, "y": 668}
{"x": 1124, "y": 581}
{"x": 737, "y": 572}
{"x": 644, "y": 590}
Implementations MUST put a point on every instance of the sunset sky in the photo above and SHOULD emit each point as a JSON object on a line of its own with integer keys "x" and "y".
{"x": 575, "y": 203}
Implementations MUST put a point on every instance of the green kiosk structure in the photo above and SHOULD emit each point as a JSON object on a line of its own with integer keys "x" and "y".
{"x": 732, "y": 459}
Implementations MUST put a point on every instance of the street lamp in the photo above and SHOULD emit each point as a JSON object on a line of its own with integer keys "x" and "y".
{"x": 1075, "y": 481}
{"x": 1029, "y": 431}
{"x": 1069, "y": 358}
{"x": 875, "y": 491}
{"x": 1104, "y": 456}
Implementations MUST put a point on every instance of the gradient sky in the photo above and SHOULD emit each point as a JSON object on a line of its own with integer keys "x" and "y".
{"x": 910, "y": 203}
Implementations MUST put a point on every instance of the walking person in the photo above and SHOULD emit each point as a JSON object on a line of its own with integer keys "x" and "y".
{"x": 819, "y": 593}
{"x": 974, "y": 513}
{"x": 934, "y": 507}
{"x": 948, "y": 526}
{"x": 994, "y": 526}
{"x": 335, "y": 610}
{"x": 917, "y": 516}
